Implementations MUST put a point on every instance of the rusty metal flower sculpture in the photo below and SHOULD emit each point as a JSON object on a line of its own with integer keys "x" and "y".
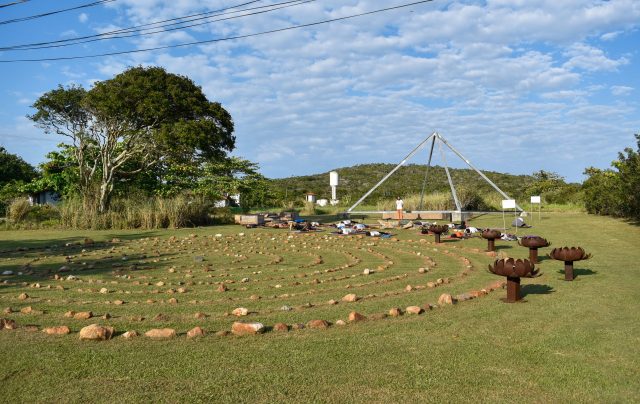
{"x": 437, "y": 230}
{"x": 569, "y": 255}
{"x": 533, "y": 243}
{"x": 491, "y": 235}
{"x": 514, "y": 270}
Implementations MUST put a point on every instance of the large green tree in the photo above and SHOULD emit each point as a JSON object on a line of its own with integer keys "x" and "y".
{"x": 14, "y": 168}
{"x": 615, "y": 191}
{"x": 14, "y": 172}
{"x": 142, "y": 119}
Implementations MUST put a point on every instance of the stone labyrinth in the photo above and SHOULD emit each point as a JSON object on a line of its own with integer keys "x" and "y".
{"x": 245, "y": 283}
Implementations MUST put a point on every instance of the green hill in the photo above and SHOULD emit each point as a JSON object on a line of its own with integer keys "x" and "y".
{"x": 408, "y": 180}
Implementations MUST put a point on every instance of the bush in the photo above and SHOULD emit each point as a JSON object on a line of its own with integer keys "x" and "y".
{"x": 18, "y": 210}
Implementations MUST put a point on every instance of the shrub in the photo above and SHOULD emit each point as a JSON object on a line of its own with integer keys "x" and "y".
{"x": 18, "y": 210}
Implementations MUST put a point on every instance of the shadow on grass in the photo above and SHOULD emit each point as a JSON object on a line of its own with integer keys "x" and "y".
{"x": 577, "y": 272}
{"x": 536, "y": 290}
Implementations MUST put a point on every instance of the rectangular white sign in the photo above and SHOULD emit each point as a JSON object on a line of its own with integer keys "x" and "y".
{"x": 508, "y": 204}
{"x": 535, "y": 199}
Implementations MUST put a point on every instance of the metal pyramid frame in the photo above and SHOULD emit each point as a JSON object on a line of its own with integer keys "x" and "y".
{"x": 435, "y": 136}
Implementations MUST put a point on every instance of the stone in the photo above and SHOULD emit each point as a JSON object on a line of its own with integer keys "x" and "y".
{"x": 240, "y": 328}
{"x": 130, "y": 334}
{"x": 195, "y": 332}
{"x": 378, "y": 316}
{"x": 7, "y": 324}
{"x": 286, "y": 308}
{"x": 341, "y": 322}
{"x": 351, "y": 297}
{"x": 318, "y": 324}
{"x": 421, "y": 270}
{"x": 240, "y": 311}
{"x": 297, "y": 326}
{"x": 366, "y": 271}
{"x": 104, "y": 291}
{"x": 60, "y": 330}
{"x": 7, "y": 310}
{"x": 83, "y": 315}
{"x": 444, "y": 299}
{"x": 95, "y": 332}
{"x": 26, "y": 310}
{"x": 395, "y": 312}
{"x": 118, "y": 302}
{"x": 173, "y": 300}
{"x": 413, "y": 309}
{"x": 354, "y": 316}
{"x": 222, "y": 333}
{"x": 23, "y": 296}
{"x": 161, "y": 333}
{"x": 200, "y": 316}
{"x": 408, "y": 288}
{"x": 222, "y": 288}
{"x": 106, "y": 316}
{"x": 439, "y": 281}
{"x": 332, "y": 302}
{"x": 431, "y": 284}
{"x": 70, "y": 314}
{"x": 280, "y": 327}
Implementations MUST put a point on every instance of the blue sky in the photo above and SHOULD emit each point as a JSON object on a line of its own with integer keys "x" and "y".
{"x": 517, "y": 86}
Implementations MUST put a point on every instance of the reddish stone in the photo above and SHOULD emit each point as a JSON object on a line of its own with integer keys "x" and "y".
{"x": 61, "y": 330}
{"x": 280, "y": 327}
{"x": 354, "y": 316}
{"x": 318, "y": 324}
{"x": 239, "y": 328}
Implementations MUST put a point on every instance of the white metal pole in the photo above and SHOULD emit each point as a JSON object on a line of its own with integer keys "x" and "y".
{"x": 414, "y": 151}
{"x": 453, "y": 188}
{"x": 476, "y": 170}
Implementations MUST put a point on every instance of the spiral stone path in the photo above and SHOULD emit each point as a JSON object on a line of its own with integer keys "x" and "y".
{"x": 215, "y": 283}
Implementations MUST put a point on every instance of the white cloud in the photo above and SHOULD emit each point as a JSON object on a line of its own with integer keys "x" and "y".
{"x": 500, "y": 77}
{"x": 586, "y": 57}
{"x": 83, "y": 17}
{"x": 621, "y": 90}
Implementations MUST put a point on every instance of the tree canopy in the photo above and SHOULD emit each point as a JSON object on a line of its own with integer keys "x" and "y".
{"x": 142, "y": 119}
{"x": 14, "y": 168}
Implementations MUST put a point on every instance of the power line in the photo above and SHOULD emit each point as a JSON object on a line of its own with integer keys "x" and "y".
{"x": 135, "y": 31}
{"x": 13, "y": 4}
{"x": 381, "y": 10}
{"x": 33, "y": 17}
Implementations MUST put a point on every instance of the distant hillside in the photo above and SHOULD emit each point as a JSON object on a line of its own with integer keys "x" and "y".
{"x": 408, "y": 180}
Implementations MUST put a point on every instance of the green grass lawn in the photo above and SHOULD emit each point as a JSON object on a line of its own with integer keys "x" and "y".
{"x": 570, "y": 341}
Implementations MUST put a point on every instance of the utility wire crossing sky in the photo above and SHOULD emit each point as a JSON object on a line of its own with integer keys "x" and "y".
{"x": 316, "y": 85}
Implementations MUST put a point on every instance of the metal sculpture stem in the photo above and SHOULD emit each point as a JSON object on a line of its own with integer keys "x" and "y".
{"x": 437, "y": 235}
{"x": 533, "y": 255}
{"x": 491, "y": 244}
{"x": 568, "y": 271}
{"x": 513, "y": 290}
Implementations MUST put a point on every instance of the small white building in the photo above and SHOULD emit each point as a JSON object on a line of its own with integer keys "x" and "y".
{"x": 45, "y": 198}
{"x": 229, "y": 200}
{"x": 311, "y": 197}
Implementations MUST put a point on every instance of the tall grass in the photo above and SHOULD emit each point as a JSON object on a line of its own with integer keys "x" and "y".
{"x": 138, "y": 213}
{"x": 18, "y": 210}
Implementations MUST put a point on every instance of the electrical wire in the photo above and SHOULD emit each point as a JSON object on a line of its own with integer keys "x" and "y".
{"x": 33, "y": 17}
{"x": 134, "y": 31}
{"x": 209, "y": 41}
{"x": 13, "y": 4}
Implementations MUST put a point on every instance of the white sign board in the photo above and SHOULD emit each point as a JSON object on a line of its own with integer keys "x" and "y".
{"x": 535, "y": 199}
{"x": 508, "y": 204}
